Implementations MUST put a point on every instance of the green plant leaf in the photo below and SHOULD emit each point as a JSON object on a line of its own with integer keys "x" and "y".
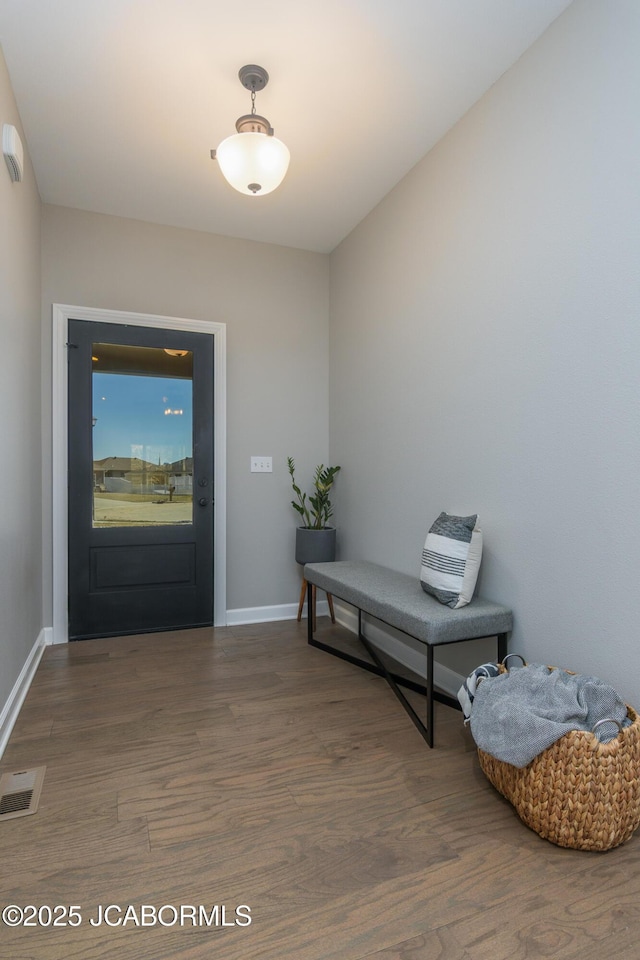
{"x": 320, "y": 510}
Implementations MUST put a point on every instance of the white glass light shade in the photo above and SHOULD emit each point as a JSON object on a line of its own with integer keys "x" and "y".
{"x": 253, "y": 163}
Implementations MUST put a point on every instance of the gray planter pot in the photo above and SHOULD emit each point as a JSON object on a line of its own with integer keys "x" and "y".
{"x": 315, "y": 546}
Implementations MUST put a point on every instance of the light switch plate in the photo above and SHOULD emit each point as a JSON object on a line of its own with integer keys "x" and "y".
{"x": 261, "y": 465}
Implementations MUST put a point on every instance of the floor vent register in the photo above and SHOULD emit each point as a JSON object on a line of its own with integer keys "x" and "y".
{"x": 20, "y": 792}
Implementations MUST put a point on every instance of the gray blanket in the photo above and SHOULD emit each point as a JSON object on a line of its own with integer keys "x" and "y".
{"x": 517, "y": 715}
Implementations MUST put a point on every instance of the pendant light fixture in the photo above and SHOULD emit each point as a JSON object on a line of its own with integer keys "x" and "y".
{"x": 253, "y": 160}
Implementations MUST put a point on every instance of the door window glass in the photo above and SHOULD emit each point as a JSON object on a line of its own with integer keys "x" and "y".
{"x": 142, "y": 436}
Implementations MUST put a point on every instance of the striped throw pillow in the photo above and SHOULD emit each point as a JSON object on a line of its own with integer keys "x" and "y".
{"x": 451, "y": 559}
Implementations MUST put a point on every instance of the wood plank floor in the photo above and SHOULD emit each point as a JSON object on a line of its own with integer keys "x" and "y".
{"x": 241, "y": 767}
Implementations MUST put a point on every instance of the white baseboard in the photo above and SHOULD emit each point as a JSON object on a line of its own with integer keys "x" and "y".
{"x": 386, "y": 640}
{"x": 283, "y": 611}
{"x": 12, "y": 707}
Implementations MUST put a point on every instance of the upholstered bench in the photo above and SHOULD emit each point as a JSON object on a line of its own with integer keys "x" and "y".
{"x": 399, "y": 601}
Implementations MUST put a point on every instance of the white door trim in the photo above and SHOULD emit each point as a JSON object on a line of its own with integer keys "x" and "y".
{"x": 61, "y": 313}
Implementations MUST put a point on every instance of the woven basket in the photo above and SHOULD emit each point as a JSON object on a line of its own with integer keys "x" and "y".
{"x": 579, "y": 792}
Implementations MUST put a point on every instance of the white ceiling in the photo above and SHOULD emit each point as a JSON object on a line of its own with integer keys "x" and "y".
{"x": 122, "y": 100}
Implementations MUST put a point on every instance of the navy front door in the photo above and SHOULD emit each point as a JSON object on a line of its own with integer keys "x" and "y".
{"x": 140, "y": 472}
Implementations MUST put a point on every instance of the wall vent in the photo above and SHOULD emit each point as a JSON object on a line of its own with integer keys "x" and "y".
{"x": 20, "y": 792}
{"x": 13, "y": 153}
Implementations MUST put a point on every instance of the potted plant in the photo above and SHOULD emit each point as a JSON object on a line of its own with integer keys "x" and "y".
{"x": 315, "y": 540}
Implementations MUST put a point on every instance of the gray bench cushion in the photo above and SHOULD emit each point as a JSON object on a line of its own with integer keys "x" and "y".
{"x": 399, "y": 600}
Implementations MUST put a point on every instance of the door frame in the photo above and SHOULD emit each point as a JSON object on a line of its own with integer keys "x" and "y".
{"x": 61, "y": 314}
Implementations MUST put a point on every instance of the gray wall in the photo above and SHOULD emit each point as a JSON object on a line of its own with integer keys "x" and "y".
{"x": 485, "y": 347}
{"x": 21, "y": 500}
{"x": 274, "y": 301}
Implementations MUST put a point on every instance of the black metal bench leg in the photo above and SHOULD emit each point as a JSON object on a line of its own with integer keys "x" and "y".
{"x": 429, "y": 732}
{"x": 378, "y": 667}
{"x": 502, "y": 646}
{"x": 309, "y": 612}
